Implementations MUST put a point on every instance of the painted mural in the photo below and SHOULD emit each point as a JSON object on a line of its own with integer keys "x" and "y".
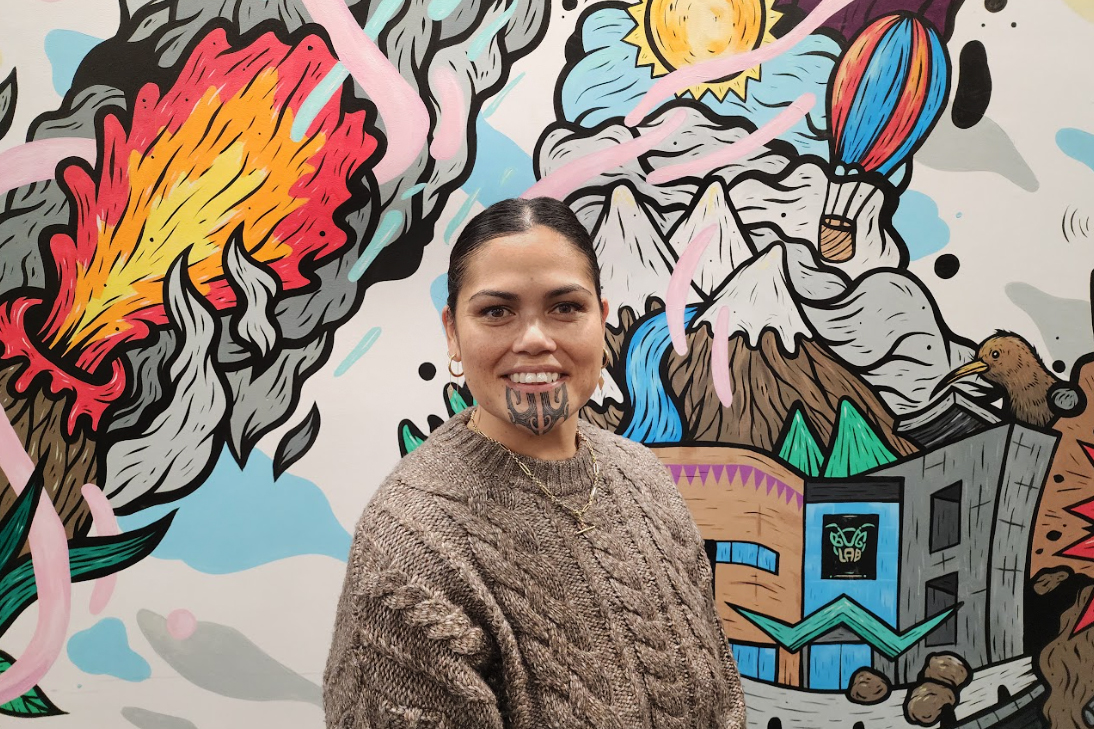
{"x": 848, "y": 250}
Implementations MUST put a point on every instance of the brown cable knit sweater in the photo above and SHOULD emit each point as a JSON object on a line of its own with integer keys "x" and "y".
{"x": 471, "y": 602}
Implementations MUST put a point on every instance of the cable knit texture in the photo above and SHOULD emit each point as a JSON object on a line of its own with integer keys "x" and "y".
{"x": 471, "y": 602}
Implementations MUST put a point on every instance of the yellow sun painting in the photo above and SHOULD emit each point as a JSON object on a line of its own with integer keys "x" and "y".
{"x": 672, "y": 34}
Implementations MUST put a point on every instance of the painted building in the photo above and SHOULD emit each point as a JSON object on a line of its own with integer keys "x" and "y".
{"x": 852, "y": 551}
{"x": 922, "y": 556}
{"x": 749, "y": 510}
{"x": 968, "y": 511}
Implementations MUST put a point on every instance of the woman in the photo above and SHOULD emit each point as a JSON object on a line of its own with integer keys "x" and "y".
{"x": 522, "y": 569}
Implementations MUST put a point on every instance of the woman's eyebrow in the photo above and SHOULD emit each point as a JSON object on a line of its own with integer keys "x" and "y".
{"x": 510, "y": 296}
{"x": 566, "y": 290}
{"x": 503, "y": 295}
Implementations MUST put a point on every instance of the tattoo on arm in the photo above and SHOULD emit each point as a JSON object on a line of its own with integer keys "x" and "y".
{"x": 539, "y": 412}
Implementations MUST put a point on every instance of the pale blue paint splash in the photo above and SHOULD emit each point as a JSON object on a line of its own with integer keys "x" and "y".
{"x": 496, "y": 101}
{"x": 461, "y": 214}
{"x": 1077, "y": 144}
{"x": 482, "y": 40}
{"x": 438, "y": 292}
{"x": 494, "y": 154}
{"x": 103, "y": 649}
{"x": 241, "y": 518}
{"x": 332, "y": 82}
{"x": 385, "y": 11}
{"x": 359, "y": 351}
{"x": 65, "y": 50}
{"x": 917, "y": 221}
{"x": 897, "y": 176}
{"x": 389, "y": 226}
{"x": 323, "y": 92}
{"x": 441, "y": 9}
{"x": 412, "y": 191}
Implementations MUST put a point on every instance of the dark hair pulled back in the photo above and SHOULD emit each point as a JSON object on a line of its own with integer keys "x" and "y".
{"x": 517, "y": 215}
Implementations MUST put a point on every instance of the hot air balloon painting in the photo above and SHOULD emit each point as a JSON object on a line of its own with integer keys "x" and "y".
{"x": 884, "y": 97}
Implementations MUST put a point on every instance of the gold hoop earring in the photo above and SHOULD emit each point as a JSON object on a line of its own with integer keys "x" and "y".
{"x": 604, "y": 366}
{"x": 452, "y": 359}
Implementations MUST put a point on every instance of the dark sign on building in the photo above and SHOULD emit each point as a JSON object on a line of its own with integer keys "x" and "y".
{"x": 849, "y": 551}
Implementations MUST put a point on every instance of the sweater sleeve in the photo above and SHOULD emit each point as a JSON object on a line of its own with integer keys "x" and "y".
{"x": 735, "y": 716}
{"x": 403, "y": 654}
{"x": 733, "y": 698}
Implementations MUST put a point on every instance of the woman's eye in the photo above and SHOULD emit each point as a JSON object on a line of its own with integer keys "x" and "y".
{"x": 568, "y": 307}
{"x": 494, "y": 312}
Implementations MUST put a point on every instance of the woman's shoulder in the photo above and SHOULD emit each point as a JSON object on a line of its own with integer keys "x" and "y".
{"x": 647, "y": 480}
{"x": 637, "y": 464}
{"x": 434, "y": 470}
{"x": 621, "y": 451}
{"x": 416, "y": 492}
{"x": 410, "y": 522}
{"x": 429, "y": 488}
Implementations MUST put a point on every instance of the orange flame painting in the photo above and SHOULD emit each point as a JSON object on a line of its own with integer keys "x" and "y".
{"x": 210, "y": 157}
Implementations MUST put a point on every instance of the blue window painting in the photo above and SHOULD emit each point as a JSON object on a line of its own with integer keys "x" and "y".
{"x": 831, "y": 665}
{"x": 749, "y": 554}
{"x": 754, "y": 661}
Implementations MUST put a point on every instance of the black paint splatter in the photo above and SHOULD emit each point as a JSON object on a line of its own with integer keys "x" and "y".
{"x": 947, "y": 265}
{"x": 1053, "y": 536}
{"x": 1059, "y": 366}
{"x": 1058, "y": 478}
{"x": 427, "y": 371}
{"x": 974, "y": 87}
{"x": 994, "y": 6}
{"x": 574, "y": 49}
{"x": 569, "y": 4}
{"x": 9, "y": 93}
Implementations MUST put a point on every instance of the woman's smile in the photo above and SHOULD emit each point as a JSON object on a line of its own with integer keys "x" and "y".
{"x": 535, "y": 380}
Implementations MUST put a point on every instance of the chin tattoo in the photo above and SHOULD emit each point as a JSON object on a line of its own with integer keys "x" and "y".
{"x": 539, "y": 412}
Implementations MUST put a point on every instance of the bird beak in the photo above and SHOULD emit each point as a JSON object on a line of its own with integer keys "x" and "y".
{"x": 972, "y": 368}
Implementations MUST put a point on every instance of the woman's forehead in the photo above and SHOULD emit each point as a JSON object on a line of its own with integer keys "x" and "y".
{"x": 528, "y": 254}
{"x": 537, "y": 239}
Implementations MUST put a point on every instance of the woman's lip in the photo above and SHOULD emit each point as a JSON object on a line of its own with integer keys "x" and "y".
{"x": 534, "y": 386}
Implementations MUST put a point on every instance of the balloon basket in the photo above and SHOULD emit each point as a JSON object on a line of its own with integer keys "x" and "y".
{"x": 837, "y": 238}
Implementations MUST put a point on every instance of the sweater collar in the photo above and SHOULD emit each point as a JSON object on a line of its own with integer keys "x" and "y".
{"x": 563, "y": 478}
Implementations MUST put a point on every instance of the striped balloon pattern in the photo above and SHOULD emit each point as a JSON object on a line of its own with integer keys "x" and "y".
{"x": 887, "y": 93}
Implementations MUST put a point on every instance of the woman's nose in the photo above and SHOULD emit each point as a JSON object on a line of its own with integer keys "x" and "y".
{"x": 534, "y": 338}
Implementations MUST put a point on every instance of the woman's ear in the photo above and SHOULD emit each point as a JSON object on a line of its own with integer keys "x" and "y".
{"x": 603, "y": 310}
{"x": 448, "y": 319}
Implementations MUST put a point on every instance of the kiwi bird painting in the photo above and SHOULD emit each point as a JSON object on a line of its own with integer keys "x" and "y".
{"x": 1031, "y": 394}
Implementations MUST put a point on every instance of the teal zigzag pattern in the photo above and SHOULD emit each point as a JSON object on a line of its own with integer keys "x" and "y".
{"x": 843, "y": 611}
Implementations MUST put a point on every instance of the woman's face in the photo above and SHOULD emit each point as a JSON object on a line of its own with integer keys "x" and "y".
{"x": 528, "y": 329}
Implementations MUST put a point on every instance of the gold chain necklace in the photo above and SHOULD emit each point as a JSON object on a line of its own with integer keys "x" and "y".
{"x": 579, "y": 514}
